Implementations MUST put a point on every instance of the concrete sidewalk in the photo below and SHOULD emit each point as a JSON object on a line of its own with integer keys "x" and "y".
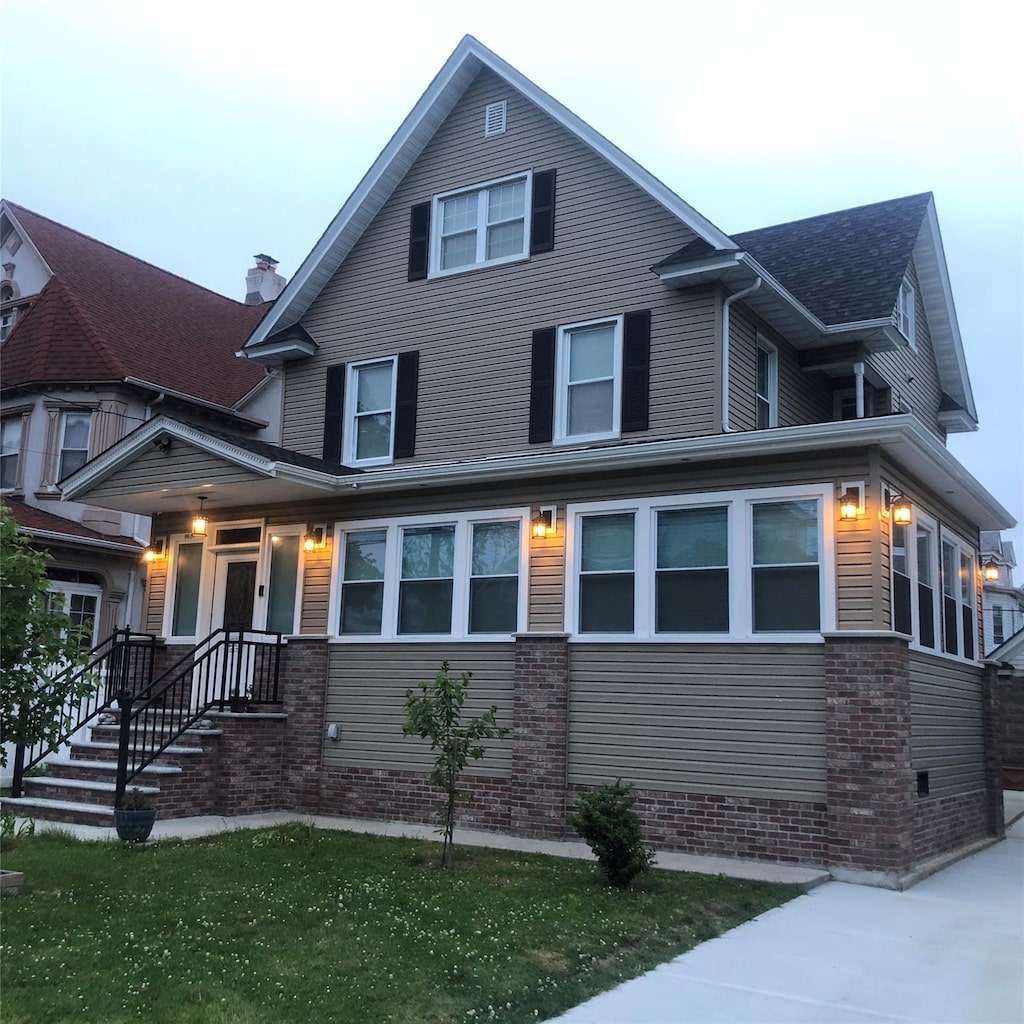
{"x": 951, "y": 949}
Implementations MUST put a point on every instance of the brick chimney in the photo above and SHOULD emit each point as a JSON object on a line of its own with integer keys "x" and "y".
{"x": 263, "y": 283}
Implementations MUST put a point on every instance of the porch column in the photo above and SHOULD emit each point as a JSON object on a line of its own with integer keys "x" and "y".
{"x": 540, "y": 735}
{"x": 304, "y": 691}
{"x": 870, "y": 781}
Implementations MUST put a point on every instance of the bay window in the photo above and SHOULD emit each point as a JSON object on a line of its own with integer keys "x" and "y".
{"x": 74, "y": 448}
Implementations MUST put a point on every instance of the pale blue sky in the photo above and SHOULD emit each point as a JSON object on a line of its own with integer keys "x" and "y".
{"x": 194, "y": 134}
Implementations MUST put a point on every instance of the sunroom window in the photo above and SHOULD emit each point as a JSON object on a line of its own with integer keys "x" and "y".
{"x": 606, "y": 574}
{"x": 786, "y": 596}
{"x": 692, "y": 573}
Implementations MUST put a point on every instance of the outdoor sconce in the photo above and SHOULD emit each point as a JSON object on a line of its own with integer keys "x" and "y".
{"x": 991, "y": 572}
{"x": 200, "y": 521}
{"x": 901, "y": 510}
{"x": 155, "y": 551}
{"x": 315, "y": 538}
{"x": 849, "y": 506}
{"x": 544, "y": 522}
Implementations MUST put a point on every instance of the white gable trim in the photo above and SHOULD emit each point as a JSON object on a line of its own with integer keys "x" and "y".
{"x": 405, "y": 146}
{"x": 26, "y": 239}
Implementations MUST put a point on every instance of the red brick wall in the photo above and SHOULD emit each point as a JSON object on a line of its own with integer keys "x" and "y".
{"x": 943, "y": 824}
{"x": 304, "y": 692}
{"x": 871, "y": 785}
{"x": 249, "y": 764}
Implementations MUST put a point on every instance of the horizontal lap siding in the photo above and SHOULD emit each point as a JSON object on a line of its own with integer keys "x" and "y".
{"x": 946, "y": 724}
{"x": 180, "y": 466}
{"x": 857, "y": 552}
{"x": 473, "y": 330}
{"x": 366, "y": 696}
{"x": 156, "y": 593}
{"x": 316, "y": 592}
{"x": 736, "y": 720}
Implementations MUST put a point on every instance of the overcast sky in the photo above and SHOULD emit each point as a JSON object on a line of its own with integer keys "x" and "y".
{"x": 194, "y": 134}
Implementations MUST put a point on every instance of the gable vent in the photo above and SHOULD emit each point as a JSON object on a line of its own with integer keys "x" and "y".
{"x": 494, "y": 118}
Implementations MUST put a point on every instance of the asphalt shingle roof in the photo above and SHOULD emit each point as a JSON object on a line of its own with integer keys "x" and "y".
{"x": 846, "y": 266}
{"x": 33, "y": 519}
{"x": 106, "y": 315}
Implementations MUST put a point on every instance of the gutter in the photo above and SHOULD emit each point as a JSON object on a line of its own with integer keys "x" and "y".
{"x": 163, "y": 393}
{"x": 725, "y": 350}
{"x": 89, "y": 542}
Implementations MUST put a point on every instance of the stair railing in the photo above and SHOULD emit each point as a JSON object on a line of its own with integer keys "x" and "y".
{"x": 122, "y": 663}
{"x": 228, "y": 664}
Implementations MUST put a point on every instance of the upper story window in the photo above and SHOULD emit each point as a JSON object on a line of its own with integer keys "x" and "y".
{"x": 459, "y": 576}
{"x": 767, "y": 384}
{"x": 904, "y": 312}
{"x": 10, "y": 446}
{"x": 727, "y": 566}
{"x": 74, "y": 447}
{"x": 369, "y": 433}
{"x": 482, "y": 225}
{"x": 588, "y": 400}
{"x": 7, "y": 318}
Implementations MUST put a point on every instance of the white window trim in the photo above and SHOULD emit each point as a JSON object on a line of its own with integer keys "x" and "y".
{"x": 561, "y": 436}
{"x": 82, "y": 590}
{"x": 481, "y": 226}
{"x": 907, "y": 312}
{"x": 961, "y": 547}
{"x": 262, "y": 607}
{"x": 740, "y": 514}
{"x": 203, "y": 605}
{"x": 462, "y": 522}
{"x": 349, "y": 433}
{"x": 772, "y": 351}
{"x": 63, "y": 438}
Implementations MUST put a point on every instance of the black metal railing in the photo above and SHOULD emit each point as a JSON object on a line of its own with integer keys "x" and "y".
{"x": 229, "y": 665}
{"x": 122, "y": 663}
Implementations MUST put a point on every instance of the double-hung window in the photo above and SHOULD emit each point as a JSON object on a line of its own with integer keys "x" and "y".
{"x": 370, "y": 399}
{"x": 767, "y": 384}
{"x": 904, "y": 312}
{"x": 10, "y": 445}
{"x": 74, "y": 448}
{"x": 728, "y": 566}
{"x": 589, "y": 380}
{"x": 458, "y": 576}
{"x": 958, "y": 591}
{"x": 482, "y": 225}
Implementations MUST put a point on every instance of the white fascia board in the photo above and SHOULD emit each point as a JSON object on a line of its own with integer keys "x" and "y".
{"x": 54, "y": 537}
{"x": 769, "y": 282}
{"x": 670, "y": 275}
{"x": 224, "y": 410}
{"x": 902, "y": 430}
{"x": 26, "y": 238}
{"x": 408, "y": 142}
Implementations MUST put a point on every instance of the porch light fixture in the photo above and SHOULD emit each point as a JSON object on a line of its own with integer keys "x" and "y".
{"x": 315, "y": 538}
{"x": 544, "y": 523}
{"x": 155, "y": 551}
{"x": 901, "y": 510}
{"x": 200, "y": 521}
{"x": 991, "y": 572}
{"x": 849, "y": 506}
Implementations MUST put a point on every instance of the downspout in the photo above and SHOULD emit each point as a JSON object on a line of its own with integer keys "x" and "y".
{"x": 725, "y": 350}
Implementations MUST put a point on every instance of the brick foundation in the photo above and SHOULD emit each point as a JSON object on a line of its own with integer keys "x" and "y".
{"x": 1009, "y": 696}
{"x": 756, "y": 829}
{"x": 870, "y": 784}
{"x": 249, "y": 763}
{"x": 540, "y": 735}
{"x": 303, "y": 683}
{"x": 944, "y": 824}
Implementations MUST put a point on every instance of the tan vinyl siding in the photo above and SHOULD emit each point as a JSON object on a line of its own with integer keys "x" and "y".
{"x": 803, "y": 397}
{"x": 156, "y": 594}
{"x": 473, "y": 330}
{"x": 914, "y": 375}
{"x": 316, "y": 591}
{"x": 700, "y": 718}
{"x": 366, "y": 696}
{"x": 857, "y": 549}
{"x": 157, "y": 469}
{"x": 946, "y": 724}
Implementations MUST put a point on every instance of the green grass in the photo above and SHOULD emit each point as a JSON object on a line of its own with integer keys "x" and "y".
{"x": 298, "y": 925}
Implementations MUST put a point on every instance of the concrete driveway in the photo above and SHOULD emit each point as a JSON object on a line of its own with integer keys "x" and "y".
{"x": 951, "y": 949}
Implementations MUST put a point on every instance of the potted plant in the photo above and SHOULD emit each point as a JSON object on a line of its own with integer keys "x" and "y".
{"x": 134, "y": 818}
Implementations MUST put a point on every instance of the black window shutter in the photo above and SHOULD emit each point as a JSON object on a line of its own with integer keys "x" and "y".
{"x": 334, "y": 413}
{"x": 636, "y": 370}
{"x": 406, "y": 394}
{"x": 419, "y": 241}
{"x": 542, "y": 219}
{"x": 542, "y": 385}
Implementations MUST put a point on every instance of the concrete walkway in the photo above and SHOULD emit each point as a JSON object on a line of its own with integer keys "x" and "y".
{"x": 951, "y": 949}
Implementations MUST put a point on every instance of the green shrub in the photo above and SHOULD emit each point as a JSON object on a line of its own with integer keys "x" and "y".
{"x": 606, "y": 820}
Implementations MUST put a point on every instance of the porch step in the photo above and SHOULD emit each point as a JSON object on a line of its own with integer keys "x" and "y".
{"x": 103, "y": 771}
{"x": 101, "y": 750}
{"x": 48, "y": 787}
{"x": 45, "y": 809}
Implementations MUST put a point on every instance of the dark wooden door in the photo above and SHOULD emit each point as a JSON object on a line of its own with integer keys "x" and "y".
{"x": 239, "y": 594}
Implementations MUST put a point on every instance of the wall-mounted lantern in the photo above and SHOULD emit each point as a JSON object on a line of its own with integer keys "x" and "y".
{"x": 545, "y": 522}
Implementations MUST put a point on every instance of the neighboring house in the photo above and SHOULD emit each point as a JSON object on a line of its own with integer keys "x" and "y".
{"x": 1002, "y": 602}
{"x": 544, "y": 420}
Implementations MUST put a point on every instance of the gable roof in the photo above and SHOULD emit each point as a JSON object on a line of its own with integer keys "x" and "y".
{"x": 845, "y": 267}
{"x": 106, "y": 315}
{"x": 451, "y": 82}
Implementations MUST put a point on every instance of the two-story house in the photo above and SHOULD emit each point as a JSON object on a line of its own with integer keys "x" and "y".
{"x": 1002, "y": 602}
{"x": 96, "y": 343}
{"x": 679, "y": 499}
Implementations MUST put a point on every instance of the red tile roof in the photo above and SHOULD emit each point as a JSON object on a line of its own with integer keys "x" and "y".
{"x": 105, "y": 315}
{"x": 32, "y": 520}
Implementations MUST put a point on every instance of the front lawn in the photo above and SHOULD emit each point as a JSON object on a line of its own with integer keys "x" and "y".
{"x": 298, "y": 925}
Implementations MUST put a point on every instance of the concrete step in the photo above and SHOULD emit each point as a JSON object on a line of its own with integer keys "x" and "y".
{"x": 49, "y": 787}
{"x": 189, "y": 738}
{"x": 104, "y": 771}
{"x": 66, "y": 811}
{"x": 103, "y": 750}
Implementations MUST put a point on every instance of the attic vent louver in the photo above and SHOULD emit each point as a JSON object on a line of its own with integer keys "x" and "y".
{"x": 494, "y": 118}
